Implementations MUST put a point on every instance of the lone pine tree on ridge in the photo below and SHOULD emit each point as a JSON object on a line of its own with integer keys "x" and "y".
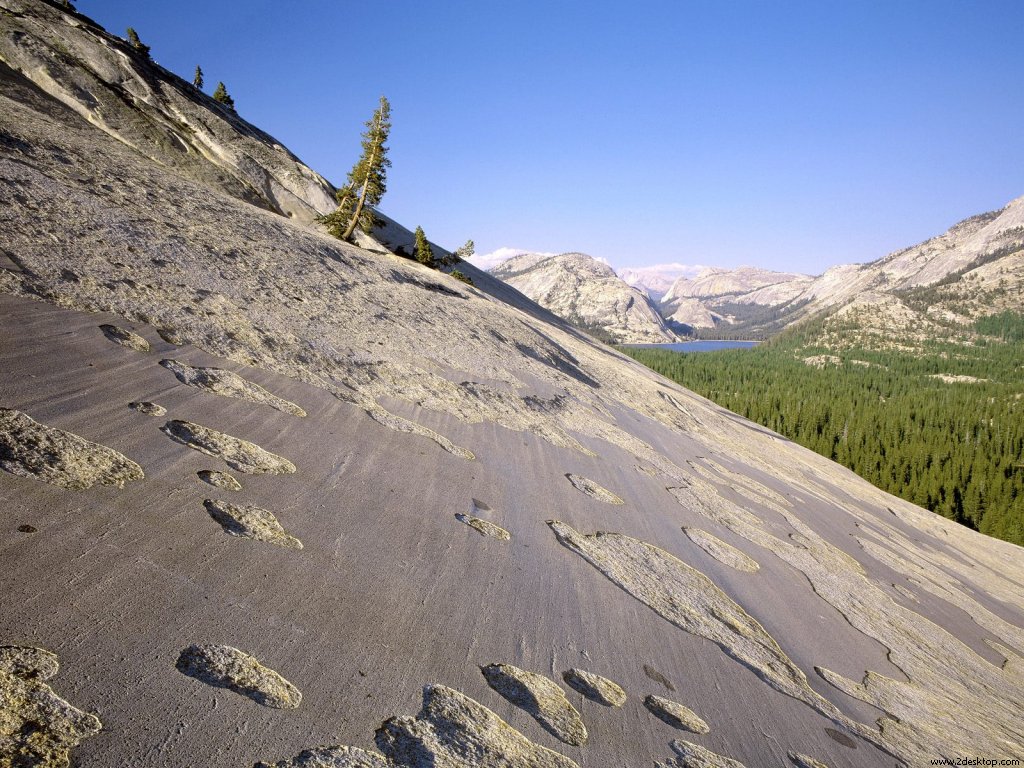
{"x": 367, "y": 181}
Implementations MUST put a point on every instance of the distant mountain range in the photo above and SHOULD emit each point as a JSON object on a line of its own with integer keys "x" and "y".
{"x": 974, "y": 269}
{"x": 589, "y": 294}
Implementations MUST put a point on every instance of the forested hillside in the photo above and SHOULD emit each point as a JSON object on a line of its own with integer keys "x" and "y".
{"x": 943, "y": 428}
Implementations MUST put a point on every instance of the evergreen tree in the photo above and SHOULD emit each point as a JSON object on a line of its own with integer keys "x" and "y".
{"x": 460, "y": 254}
{"x": 66, "y": 4}
{"x": 424, "y": 254}
{"x": 138, "y": 45}
{"x": 220, "y": 93}
{"x": 367, "y": 181}
{"x": 197, "y": 80}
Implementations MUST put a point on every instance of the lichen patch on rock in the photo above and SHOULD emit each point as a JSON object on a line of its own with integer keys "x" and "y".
{"x": 250, "y": 522}
{"x": 675, "y": 714}
{"x": 37, "y": 727}
{"x": 721, "y": 551}
{"x": 225, "y": 667}
{"x": 541, "y": 698}
{"x": 228, "y": 384}
{"x": 455, "y": 731}
{"x": 483, "y": 527}
{"x": 592, "y": 489}
{"x": 595, "y": 687}
{"x": 31, "y": 449}
{"x": 125, "y": 338}
{"x": 238, "y": 454}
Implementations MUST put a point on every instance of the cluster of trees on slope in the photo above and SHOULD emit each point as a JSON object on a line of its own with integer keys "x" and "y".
{"x": 366, "y": 183}
{"x": 954, "y": 448}
{"x": 364, "y": 189}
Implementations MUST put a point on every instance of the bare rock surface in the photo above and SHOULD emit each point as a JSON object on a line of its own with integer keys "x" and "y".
{"x": 222, "y": 666}
{"x": 454, "y": 730}
{"x": 675, "y": 714}
{"x": 222, "y": 480}
{"x": 31, "y": 449}
{"x": 250, "y": 522}
{"x": 37, "y": 727}
{"x": 721, "y": 551}
{"x": 595, "y": 687}
{"x": 691, "y": 601}
{"x": 805, "y": 761}
{"x": 332, "y": 757}
{"x": 148, "y": 408}
{"x": 125, "y": 338}
{"x": 228, "y": 384}
{"x": 483, "y": 527}
{"x": 690, "y": 755}
{"x": 588, "y": 293}
{"x": 28, "y": 663}
{"x": 422, "y": 391}
{"x": 238, "y": 454}
{"x": 541, "y": 697}
{"x": 592, "y": 489}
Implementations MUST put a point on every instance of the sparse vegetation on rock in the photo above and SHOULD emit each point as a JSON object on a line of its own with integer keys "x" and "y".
{"x": 367, "y": 181}
{"x": 461, "y": 276}
{"x": 424, "y": 253}
{"x": 136, "y": 43}
{"x": 220, "y": 94}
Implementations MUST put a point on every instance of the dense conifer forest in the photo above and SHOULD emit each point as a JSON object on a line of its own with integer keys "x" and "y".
{"x": 943, "y": 427}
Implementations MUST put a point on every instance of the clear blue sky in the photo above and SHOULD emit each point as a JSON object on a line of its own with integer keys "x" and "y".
{"x": 788, "y": 135}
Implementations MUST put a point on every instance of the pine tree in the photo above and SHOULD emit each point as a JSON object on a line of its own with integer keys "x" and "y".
{"x": 197, "y": 81}
{"x": 460, "y": 254}
{"x": 138, "y": 45}
{"x": 367, "y": 181}
{"x": 220, "y": 93}
{"x": 424, "y": 254}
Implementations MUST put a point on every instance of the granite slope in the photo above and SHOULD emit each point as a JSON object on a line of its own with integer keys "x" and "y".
{"x": 588, "y": 293}
{"x": 870, "y": 632}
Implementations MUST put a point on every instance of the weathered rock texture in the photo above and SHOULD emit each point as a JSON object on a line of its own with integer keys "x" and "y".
{"x": 37, "y": 727}
{"x": 541, "y": 697}
{"x": 483, "y": 527}
{"x": 453, "y": 729}
{"x": 249, "y": 522}
{"x": 239, "y": 454}
{"x": 31, "y": 449}
{"x": 422, "y": 392}
{"x": 587, "y": 293}
{"x": 229, "y": 384}
{"x": 225, "y": 667}
{"x": 675, "y": 714}
{"x": 595, "y": 687}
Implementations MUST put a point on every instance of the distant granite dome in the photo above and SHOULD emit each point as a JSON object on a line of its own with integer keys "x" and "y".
{"x": 587, "y": 293}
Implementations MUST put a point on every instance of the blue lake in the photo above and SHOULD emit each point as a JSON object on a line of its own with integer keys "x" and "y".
{"x": 702, "y": 345}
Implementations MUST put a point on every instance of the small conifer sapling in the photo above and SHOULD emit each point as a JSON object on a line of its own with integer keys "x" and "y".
{"x": 220, "y": 93}
{"x": 424, "y": 254}
{"x": 197, "y": 80}
{"x": 136, "y": 43}
{"x": 460, "y": 254}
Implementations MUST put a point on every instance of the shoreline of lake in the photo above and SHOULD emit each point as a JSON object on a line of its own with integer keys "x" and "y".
{"x": 699, "y": 345}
